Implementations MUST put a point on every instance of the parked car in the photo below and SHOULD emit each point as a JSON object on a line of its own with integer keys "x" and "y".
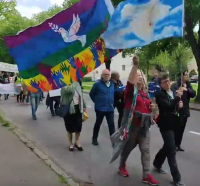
{"x": 194, "y": 79}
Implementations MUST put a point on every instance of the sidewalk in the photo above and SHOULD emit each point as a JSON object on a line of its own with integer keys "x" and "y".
{"x": 195, "y": 106}
{"x": 20, "y": 166}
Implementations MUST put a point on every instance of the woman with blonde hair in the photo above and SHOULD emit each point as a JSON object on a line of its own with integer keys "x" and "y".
{"x": 72, "y": 96}
{"x": 140, "y": 122}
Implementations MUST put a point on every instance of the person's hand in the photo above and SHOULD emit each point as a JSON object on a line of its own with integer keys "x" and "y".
{"x": 179, "y": 93}
{"x": 152, "y": 106}
{"x": 135, "y": 61}
{"x": 180, "y": 104}
{"x": 183, "y": 89}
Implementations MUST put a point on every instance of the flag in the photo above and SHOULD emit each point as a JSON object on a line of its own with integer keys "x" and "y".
{"x": 40, "y": 48}
{"x": 71, "y": 69}
{"x": 136, "y": 23}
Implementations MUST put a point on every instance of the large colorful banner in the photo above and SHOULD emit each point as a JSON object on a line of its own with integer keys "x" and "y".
{"x": 51, "y": 54}
{"x": 138, "y": 23}
{"x": 72, "y": 69}
{"x": 8, "y": 89}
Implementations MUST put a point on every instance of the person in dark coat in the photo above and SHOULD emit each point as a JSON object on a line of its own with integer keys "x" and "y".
{"x": 118, "y": 96}
{"x": 6, "y": 79}
{"x": 184, "y": 113}
{"x": 169, "y": 103}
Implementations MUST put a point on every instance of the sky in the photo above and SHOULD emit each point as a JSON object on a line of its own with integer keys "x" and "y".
{"x": 29, "y": 7}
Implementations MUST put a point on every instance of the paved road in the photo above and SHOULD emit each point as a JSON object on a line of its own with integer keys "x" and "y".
{"x": 92, "y": 165}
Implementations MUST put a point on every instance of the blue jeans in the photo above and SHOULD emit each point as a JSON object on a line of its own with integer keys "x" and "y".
{"x": 35, "y": 99}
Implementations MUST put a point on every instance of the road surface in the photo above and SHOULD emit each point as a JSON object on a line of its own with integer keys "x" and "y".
{"x": 92, "y": 165}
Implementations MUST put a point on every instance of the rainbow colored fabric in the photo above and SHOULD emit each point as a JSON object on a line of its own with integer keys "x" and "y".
{"x": 63, "y": 48}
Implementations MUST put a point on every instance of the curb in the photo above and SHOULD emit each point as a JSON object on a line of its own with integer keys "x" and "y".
{"x": 23, "y": 138}
{"x": 86, "y": 92}
{"x": 195, "y": 109}
{"x": 191, "y": 108}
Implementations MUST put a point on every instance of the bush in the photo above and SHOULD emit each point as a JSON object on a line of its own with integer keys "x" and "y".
{"x": 86, "y": 79}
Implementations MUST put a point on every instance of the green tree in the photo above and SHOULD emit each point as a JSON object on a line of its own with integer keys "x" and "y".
{"x": 192, "y": 20}
{"x": 68, "y": 3}
{"x": 42, "y": 16}
{"x": 192, "y": 72}
{"x": 11, "y": 23}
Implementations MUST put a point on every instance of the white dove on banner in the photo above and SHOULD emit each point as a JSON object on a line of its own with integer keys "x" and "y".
{"x": 70, "y": 35}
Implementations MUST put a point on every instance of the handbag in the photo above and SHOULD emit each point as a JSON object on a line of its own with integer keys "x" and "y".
{"x": 63, "y": 110}
{"x": 85, "y": 116}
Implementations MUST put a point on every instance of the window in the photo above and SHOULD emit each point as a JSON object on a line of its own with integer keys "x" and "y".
{"x": 123, "y": 67}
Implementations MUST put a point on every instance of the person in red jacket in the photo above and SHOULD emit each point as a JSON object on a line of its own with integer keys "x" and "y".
{"x": 140, "y": 124}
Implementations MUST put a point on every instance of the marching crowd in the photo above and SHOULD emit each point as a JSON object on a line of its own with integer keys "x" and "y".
{"x": 160, "y": 103}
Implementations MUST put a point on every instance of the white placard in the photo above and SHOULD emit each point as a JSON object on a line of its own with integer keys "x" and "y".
{"x": 6, "y": 67}
{"x": 8, "y": 89}
{"x": 53, "y": 93}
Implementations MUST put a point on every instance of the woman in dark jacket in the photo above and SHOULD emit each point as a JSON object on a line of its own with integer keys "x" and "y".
{"x": 184, "y": 113}
{"x": 6, "y": 79}
{"x": 118, "y": 96}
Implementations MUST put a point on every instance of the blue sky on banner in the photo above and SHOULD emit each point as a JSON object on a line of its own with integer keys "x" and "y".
{"x": 136, "y": 23}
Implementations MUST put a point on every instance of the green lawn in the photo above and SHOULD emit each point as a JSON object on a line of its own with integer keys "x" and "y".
{"x": 88, "y": 83}
{"x": 195, "y": 86}
{"x": 88, "y": 86}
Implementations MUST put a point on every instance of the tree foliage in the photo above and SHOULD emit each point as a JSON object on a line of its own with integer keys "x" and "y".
{"x": 157, "y": 53}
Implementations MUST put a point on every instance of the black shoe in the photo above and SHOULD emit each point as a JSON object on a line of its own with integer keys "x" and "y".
{"x": 53, "y": 114}
{"x": 71, "y": 148}
{"x": 160, "y": 170}
{"x": 180, "y": 149}
{"x": 35, "y": 118}
{"x": 79, "y": 148}
{"x": 95, "y": 142}
{"x": 179, "y": 183}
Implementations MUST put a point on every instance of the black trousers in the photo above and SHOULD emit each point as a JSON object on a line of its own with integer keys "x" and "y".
{"x": 20, "y": 97}
{"x": 99, "y": 119}
{"x": 168, "y": 151}
{"x": 6, "y": 96}
{"x": 120, "y": 109}
{"x": 54, "y": 107}
{"x": 179, "y": 130}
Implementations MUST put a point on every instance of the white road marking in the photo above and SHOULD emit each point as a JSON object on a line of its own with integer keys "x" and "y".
{"x": 194, "y": 132}
{"x": 88, "y": 106}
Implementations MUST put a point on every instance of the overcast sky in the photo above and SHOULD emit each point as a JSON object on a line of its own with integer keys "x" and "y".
{"x": 29, "y": 7}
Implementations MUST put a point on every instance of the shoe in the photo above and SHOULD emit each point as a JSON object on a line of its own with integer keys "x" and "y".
{"x": 123, "y": 171}
{"x": 53, "y": 114}
{"x": 71, "y": 148}
{"x": 95, "y": 142}
{"x": 150, "y": 180}
{"x": 35, "y": 118}
{"x": 79, "y": 148}
{"x": 180, "y": 149}
{"x": 161, "y": 171}
{"x": 179, "y": 183}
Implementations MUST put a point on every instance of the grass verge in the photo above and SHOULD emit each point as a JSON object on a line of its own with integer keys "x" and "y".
{"x": 195, "y": 87}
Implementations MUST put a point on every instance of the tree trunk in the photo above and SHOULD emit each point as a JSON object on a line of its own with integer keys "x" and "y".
{"x": 107, "y": 63}
{"x": 195, "y": 46}
{"x": 197, "y": 99}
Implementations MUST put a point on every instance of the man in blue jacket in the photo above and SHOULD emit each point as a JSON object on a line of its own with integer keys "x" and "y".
{"x": 102, "y": 94}
{"x": 153, "y": 85}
